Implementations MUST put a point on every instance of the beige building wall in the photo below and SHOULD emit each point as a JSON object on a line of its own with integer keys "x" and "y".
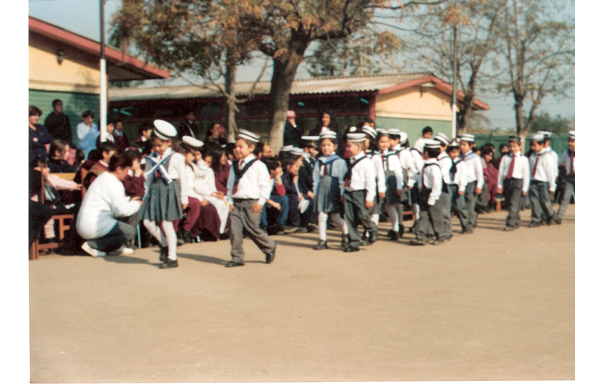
{"x": 77, "y": 73}
{"x": 425, "y": 103}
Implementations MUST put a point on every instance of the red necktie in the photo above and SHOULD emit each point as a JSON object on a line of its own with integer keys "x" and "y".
{"x": 572, "y": 172}
{"x": 511, "y": 168}
{"x": 325, "y": 170}
{"x": 535, "y": 166}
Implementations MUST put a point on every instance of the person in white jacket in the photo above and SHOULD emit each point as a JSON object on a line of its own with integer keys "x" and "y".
{"x": 205, "y": 187}
{"x": 101, "y": 218}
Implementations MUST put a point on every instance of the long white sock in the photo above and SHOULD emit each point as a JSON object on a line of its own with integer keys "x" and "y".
{"x": 171, "y": 239}
{"x": 322, "y": 220}
{"x": 391, "y": 211}
{"x": 415, "y": 210}
{"x": 375, "y": 219}
{"x": 154, "y": 230}
{"x": 337, "y": 219}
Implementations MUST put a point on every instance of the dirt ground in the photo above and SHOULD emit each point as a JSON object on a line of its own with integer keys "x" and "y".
{"x": 493, "y": 305}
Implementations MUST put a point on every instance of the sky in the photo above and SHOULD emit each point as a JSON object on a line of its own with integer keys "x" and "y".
{"x": 83, "y": 17}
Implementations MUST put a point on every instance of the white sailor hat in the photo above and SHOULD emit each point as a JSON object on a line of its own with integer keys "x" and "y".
{"x": 369, "y": 131}
{"x": 382, "y": 131}
{"x": 467, "y": 137}
{"x": 431, "y": 143}
{"x": 393, "y": 131}
{"x": 514, "y": 138}
{"x": 547, "y": 134}
{"x": 455, "y": 143}
{"x": 245, "y": 134}
{"x": 303, "y": 205}
{"x": 353, "y": 129}
{"x": 310, "y": 138}
{"x": 572, "y": 135}
{"x": 327, "y": 135}
{"x": 538, "y": 137}
{"x": 286, "y": 148}
{"x": 192, "y": 142}
{"x": 403, "y": 137}
{"x": 297, "y": 151}
{"x": 356, "y": 137}
{"x": 164, "y": 130}
{"x": 440, "y": 137}
{"x": 325, "y": 130}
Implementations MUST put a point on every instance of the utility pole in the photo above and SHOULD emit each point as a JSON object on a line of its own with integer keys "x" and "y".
{"x": 103, "y": 85}
{"x": 454, "y": 77}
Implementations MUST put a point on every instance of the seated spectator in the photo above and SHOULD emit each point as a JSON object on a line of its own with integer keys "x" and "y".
{"x": 58, "y": 154}
{"x": 38, "y": 135}
{"x": 490, "y": 174}
{"x": 214, "y": 136}
{"x": 93, "y": 157}
{"x": 296, "y": 194}
{"x": 258, "y": 150}
{"x": 105, "y": 212}
{"x": 278, "y": 201}
{"x": 53, "y": 185}
{"x": 79, "y": 159}
{"x": 108, "y": 149}
{"x": 221, "y": 167}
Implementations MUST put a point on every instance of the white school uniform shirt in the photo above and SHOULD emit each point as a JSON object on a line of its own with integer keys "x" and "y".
{"x": 379, "y": 172}
{"x": 546, "y": 169}
{"x": 393, "y": 164}
{"x": 565, "y": 159}
{"x": 175, "y": 171}
{"x": 432, "y": 179}
{"x": 338, "y": 170}
{"x": 520, "y": 169}
{"x": 445, "y": 165}
{"x": 190, "y": 173}
{"x": 254, "y": 184}
{"x": 103, "y": 203}
{"x": 460, "y": 177}
{"x": 474, "y": 169}
{"x": 363, "y": 176}
{"x": 554, "y": 155}
{"x": 418, "y": 166}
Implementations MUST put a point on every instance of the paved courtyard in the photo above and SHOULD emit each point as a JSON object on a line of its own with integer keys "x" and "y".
{"x": 489, "y": 306}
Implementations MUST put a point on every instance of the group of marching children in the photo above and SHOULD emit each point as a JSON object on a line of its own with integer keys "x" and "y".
{"x": 435, "y": 178}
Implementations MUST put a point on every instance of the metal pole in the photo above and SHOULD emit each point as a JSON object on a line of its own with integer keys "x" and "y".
{"x": 103, "y": 86}
{"x": 454, "y": 83}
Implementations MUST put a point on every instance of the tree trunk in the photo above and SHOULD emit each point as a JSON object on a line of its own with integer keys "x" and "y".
{"x": 230, "y": 107}
{"x": 521, "y": 131}
{"x": 285, "y": 67}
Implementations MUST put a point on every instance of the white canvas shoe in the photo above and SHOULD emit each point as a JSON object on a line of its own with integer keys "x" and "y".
{"x": 91, "y": 251}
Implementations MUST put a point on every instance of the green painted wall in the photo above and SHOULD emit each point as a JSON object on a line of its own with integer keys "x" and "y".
{"x": 557, "y": 142}
{"x": 414, "y": 127}
{"x": 73, "y": 105}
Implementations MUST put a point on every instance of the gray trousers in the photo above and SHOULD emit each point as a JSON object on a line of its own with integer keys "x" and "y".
{"x": 567, "y": 195}
{"x": 431, "y": 219}
{"x": 470, "y": 202}
{"x": 513, "y": 193}
{"x": 482, "y": 199}
{"x": 121, "y": 234}
{"x": 540, "y": 201}
{"x": 445, "y": 201}
{"x": 459, "y": 206}
{"x": 356, "y": 212}
{"x": 243, "y": 218}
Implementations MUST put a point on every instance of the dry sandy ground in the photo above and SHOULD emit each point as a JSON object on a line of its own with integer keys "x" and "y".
{"x": 489, "y": 306}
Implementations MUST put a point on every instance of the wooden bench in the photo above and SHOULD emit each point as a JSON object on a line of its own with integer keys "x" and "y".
{"x": 64, "y": 222}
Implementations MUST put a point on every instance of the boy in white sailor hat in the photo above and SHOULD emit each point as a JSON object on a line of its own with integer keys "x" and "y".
{"x": 475, "y": 180}
{"x": 513, "y": 180}
{"x": 543, "y": 182}
{"x": 248, "y": 188}
{"x": 359, "y": 192}
{"x": 567, "y": 160}
{"x": 445, "y": 162}
{"x": 431, "y": 218}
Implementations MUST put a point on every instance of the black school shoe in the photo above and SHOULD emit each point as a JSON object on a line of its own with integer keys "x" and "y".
{"x": 270, "y": 256}
{"x": 168, "y": 264}
{"x": 534, "y": 224}
{"x": 509, "y": 228}
{"x": 373, "y": 238}
{"x": 321, "y": 245}
{"x": 401, "y": 231}
{"x": 234, "y": 264}
{"x": 351, "y": 249}
{"x": 394, "y": 236}
{"x": 417, "y": 242}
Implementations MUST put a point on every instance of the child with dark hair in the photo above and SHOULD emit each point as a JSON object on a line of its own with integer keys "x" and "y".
{"x": 107, "y": 150}
{"x": 58, "y": 154}
{"x": 543, "y": 182}
{"x": 296, "y": 192}
{"x": 278, "y": 200}
{"x": 134, "y": 180}
{"x": 475, "y": 181}
{"x": 220, "y": 168}
{"x": 431, "y": 218}
{"x": 513, "y": 181}
{"x": 394, "y": 183}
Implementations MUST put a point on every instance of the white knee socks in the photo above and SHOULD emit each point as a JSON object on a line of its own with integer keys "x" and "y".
{"x": 336, "y": 218}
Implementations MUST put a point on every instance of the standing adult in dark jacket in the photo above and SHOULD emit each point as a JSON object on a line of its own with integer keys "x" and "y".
{"x": 292, "y": 133}
{"x": 57, "y": 123}
{"x": 328, "y": 120}
{"x": 38, "y": 135}
{"x": 188, "y": 127}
